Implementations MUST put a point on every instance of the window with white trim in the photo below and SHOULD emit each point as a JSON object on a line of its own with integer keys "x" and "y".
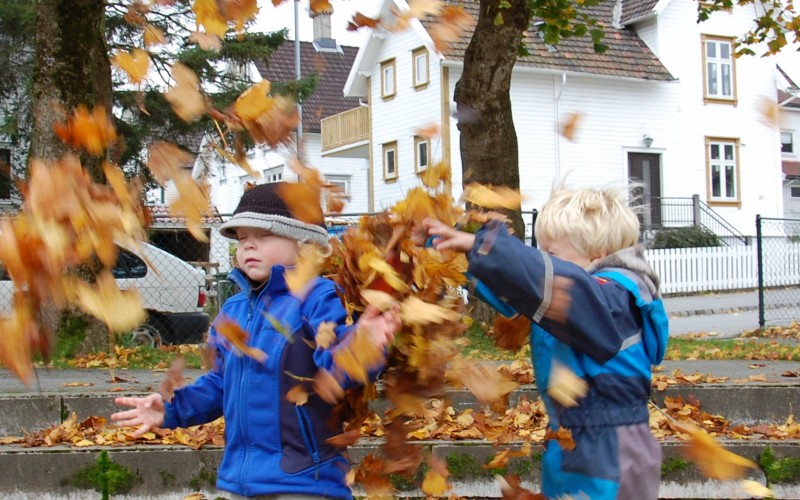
{"x": 274, "y": 174}
{"x": 419, "y": 58}
{"x": 422, "y": 153}
{"x": 723, "y": 171}
{"x": 390, "y": 160}
{"x": 340, "y": 185}
{"x": 719, "y": 69}
{"x": 388, "y": 79}
{"x": 5, "y": 174}
{"x": 787, "y": 142}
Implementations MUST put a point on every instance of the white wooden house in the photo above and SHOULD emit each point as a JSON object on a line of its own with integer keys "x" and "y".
{"x": 789, "y": 121}
{"x": 667, "y": 104}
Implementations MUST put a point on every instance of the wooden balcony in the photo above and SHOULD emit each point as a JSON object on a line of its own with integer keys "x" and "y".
{"x": 350, "y": 128}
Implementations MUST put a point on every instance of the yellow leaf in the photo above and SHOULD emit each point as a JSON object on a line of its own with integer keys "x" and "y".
{"x": 713, "y": 460}
{"x": 153, "y": 36}
{"x": 565, "y": 387}
{"x": 305, "y": 271}
{"x": 208, "y": 15}
{"x": 492, "y": 197}
{"x": 374, "y": 262}
{"x": 297, "y": 395}
{"x": 414, "y": 311}
{"x": 84, "y": 443}
{"x": 434, "y": 484}
{"x": 134, "y": 63}
{"x": 379, "y": 299}
{"x": 120, "y": 310}
{"x": 185, "y": 97}
{"x": 756, "y": 489}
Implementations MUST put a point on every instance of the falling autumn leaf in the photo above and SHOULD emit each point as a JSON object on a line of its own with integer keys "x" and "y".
{"x": 153, "y": 36}
{"x": 320, "y": 7}
{"x": 134, "y": 63}
{"x": 208, "y": 15}
{"x": 756, "y": 489}
{"x": 121, "y": 310}
{"x": 359, "y": 20}
{"x": 185, "y": 97}
{"x": 234, "y": 333}
{"x": 382, "y": 300}
{"x": 570, "y": 125}
{"x": 713, "y": 460}
{"x": 448, "y": 27}
{"x": 563, "y": 436}
{"x": 305, "y": 271}
{"x": 566, "y": 387}
{"x": 492, "y": 197}
{"x": 511, "y": 333}
{"x": 414, "y": 311}
{"x": 435, "y": 482}
{"x": 297, "y": 395}
{"x": 93, "y": 131}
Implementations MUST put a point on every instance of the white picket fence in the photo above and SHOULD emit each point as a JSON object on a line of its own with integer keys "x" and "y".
{"x": 684, "y": 270}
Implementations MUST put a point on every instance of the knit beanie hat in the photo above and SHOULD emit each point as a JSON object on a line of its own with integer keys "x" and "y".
{"x": 262, "y": 207}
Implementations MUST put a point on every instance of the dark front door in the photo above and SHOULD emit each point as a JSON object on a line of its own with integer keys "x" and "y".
{"x": 645, "y": 169}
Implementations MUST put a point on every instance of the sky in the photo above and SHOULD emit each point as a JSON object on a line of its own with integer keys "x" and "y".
{"x": 274, "y": 18}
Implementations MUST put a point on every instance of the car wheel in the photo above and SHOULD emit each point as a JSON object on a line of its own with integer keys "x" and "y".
{"x": 146, "y": 335}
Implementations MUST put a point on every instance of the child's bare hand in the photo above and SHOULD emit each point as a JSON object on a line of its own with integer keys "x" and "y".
{"x": 147, "y": 412}
{"x": 382, "y": 326}
{"x": 448, "y": 237}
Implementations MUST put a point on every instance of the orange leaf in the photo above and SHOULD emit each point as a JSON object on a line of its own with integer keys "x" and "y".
{"x": 566, "y": 387}
{"x": 492, "y": 197}
{"x": 166, "y": 160}
{"x": 563, "y": 436}
{"x": 435, "y": 481}
{"x": 238, "y": 338}
{"x": 320, "y": 6}
{"x": 297, "y": 395}
{"x": 359, "y": 20}
{"x": 153, "y": 36}
{"x": 511, "y": 333}
{"x": 570, "y": 125}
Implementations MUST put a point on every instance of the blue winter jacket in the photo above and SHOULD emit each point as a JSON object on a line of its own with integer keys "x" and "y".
{"x": 272, "y": 446}
{"x": 612, "y": 332}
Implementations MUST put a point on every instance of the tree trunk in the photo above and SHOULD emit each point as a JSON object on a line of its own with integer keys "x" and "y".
{"x": 489, "y": 151}
{"x": 71, "y": 68}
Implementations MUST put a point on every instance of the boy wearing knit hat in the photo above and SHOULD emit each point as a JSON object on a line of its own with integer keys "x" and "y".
{"x": 273, "y": 447}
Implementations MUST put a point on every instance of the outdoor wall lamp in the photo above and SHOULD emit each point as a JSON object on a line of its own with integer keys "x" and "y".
{"x": 648, "y": 141}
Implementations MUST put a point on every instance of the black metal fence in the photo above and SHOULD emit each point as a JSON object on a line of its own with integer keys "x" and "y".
{"x": 660, "y": 213}
{"x": 778, "y": 254}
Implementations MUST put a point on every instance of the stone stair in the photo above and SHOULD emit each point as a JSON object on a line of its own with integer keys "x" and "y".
{"x": 167, "y": 472}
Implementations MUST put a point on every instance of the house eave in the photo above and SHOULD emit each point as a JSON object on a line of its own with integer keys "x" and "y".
{"x": 549, "y": 71}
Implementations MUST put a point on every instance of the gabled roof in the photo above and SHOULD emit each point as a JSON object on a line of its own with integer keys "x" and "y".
{"x": 332, "y": 68}
{"x": 633, "y": 10}
{"x": 627, "y": 55}
{"x": 787, "y": 100}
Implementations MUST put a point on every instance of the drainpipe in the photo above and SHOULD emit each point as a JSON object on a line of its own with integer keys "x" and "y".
{"x": 557, "y": 176}
{"x": 298, "y": 76}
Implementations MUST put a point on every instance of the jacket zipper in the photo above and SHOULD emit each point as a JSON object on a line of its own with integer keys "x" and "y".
{"x": 306, "y": 429}
{"x": 241, "y": 404}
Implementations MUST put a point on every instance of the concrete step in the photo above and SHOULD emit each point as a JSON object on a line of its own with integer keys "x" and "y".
{"x": 744, "y": 404}
{"x": 170, "y": 472}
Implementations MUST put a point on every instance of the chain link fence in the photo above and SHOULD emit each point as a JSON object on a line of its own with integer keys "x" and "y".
{"x": 778, "y": 255}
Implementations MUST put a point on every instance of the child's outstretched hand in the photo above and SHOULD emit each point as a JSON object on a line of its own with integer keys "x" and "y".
{"x": 147, "y": 412}
{"x": 448, "y": 237}
{"x": 382, "y": 326}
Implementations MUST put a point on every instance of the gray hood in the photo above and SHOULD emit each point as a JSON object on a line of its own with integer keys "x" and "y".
{"x": 631, "y": 259}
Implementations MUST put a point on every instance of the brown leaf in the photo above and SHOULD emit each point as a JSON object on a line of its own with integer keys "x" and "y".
{"x": 713, "y": 460}
{"x": 359, "y": 20}
{"x": 239, "y": 338}
{"x": 570, "y": 125}
{"x": 511, "y": 333}
{"x": 297, "y": 395}
{"x": 185, "y": 97}
{"x": 565, "y": 387}
{"x": 563, "y": 436}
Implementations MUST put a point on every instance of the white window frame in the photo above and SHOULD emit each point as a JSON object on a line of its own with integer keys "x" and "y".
{"x": 722, "y": 169}
{"x": 388, "y": 79}
{"x": 790, "y": 135}
{"x": 714, "y": 67}
{"x": 419, "y": 167}
{"x": 389, "y": 156}
{"x": 272, "y": 175}
{"x": 342, "y": 181}
{"x": 420, "y": 68}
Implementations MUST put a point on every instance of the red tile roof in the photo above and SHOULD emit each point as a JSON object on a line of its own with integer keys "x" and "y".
{"x": 634, "y": 9}
{"x": 791, "y": 168}
{"x": 627, "y": 55}
{"x": 332, "y": 68}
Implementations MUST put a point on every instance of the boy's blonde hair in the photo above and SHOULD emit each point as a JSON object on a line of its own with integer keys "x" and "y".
{"x": 596, "y": 221}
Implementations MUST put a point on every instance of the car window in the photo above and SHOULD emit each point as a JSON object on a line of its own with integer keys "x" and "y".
{"x": 129, "y": 266}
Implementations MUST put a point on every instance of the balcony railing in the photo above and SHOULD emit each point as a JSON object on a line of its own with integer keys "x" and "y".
{"x": 343, "y": 129}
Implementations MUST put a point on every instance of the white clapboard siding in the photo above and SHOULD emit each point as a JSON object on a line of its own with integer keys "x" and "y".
{"x": 688, "y": 270}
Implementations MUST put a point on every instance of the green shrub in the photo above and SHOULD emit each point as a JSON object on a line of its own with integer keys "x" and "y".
{"x": 685, "y": 237}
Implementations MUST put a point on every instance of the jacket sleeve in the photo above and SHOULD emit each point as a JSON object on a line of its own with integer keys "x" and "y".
{"x": 596, "y": 317}
{"x": 324, "y": 305}
{"x": 200, "y": 402}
